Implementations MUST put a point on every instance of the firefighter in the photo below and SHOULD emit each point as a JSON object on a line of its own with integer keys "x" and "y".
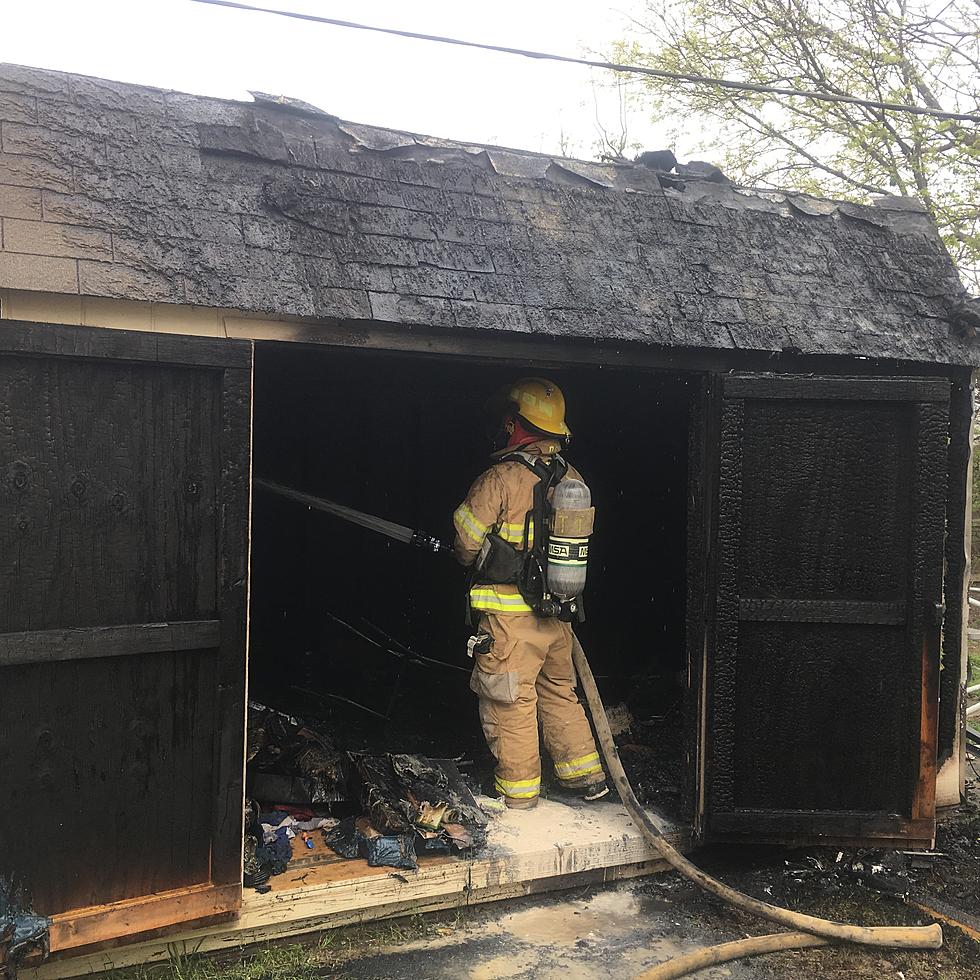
{"x": 523, "y": 660}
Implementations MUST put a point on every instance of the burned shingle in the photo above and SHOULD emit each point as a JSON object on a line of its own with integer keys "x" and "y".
{"x": 706, "y": 171}
{"x": 275, "y": 207}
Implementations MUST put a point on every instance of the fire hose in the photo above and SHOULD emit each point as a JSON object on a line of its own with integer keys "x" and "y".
{"x": 808, "y": 930}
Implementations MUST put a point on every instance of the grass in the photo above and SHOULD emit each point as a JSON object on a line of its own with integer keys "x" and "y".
{"x": 293, "y": 961}
{"x": 276, "y": 961}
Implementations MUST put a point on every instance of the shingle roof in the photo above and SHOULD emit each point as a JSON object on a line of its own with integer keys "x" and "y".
{"x": 118, "y": 190}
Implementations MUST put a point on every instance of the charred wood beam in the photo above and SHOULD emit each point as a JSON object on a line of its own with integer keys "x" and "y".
{"x": 46, "y": 646}
{"x": 855, "y": 389}
{"x": 821, "y": 611}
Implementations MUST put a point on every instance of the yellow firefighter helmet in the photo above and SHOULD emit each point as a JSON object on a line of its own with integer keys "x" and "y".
{"x": 541, "y": 403}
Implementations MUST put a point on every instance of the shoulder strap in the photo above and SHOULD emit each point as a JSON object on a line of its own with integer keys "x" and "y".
{"x": 525, "y": 459}
{"x": 551, "y": 473}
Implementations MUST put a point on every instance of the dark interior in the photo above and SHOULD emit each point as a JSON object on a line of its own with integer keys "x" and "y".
{"x": 402, "y": 437}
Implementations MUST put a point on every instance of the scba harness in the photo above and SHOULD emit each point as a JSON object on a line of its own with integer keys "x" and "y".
{"x": 549, "y": 571}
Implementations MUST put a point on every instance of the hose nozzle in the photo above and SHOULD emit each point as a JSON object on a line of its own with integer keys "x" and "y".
{"x": 427, "y": 542}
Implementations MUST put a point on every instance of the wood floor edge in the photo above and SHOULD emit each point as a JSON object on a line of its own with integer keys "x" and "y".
{"x": 231, "y": 935}
{"x": 94, "y": 924}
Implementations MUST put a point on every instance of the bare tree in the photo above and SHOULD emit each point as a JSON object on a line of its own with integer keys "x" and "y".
{"x": 612, "y": 143}
{"x": 916, "y": 52}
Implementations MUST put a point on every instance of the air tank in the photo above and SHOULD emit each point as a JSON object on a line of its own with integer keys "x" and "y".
{"x": 572, "y": 520}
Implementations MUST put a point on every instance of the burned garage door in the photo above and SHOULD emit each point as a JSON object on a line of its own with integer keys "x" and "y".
{"x": 823, "y": 675}
{"x": 123, "y": 530}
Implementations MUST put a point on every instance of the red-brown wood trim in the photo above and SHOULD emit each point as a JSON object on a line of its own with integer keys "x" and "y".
{"x": 99, "y": 923}
{"x": 924, "y": 795}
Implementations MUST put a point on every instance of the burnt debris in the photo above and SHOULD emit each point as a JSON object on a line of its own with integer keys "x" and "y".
{"x": 705, "y": 171}
{"x": 412, "y": 805}
{"x": 385, "y": 808}
{"x": 657, "y": 160}
{"x": 405, "y": 793}
{"x": 24, "y": 936}
{"x": 290, "y": 762}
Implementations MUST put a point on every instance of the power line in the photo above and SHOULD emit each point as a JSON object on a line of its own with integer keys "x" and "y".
{"x": 685, "y": 78}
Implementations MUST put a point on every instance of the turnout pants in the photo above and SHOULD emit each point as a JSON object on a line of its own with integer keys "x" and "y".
{"x": 527, "y": 676}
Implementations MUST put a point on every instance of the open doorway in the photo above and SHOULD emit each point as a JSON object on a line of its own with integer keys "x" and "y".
{"x": 366, "y": 636}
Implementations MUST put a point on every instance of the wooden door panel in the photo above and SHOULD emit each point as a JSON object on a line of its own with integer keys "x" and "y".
{"x": 862, "y": 760}
{"x": 840, "y": 479}
{"x": 124, "y": 474}
{"x": 822, "y": 703}
{"x": 111, "y": 482}
{"x": 118, "y": 808}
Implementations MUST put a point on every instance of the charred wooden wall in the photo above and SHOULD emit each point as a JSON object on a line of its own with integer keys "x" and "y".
{"x": 123, "y": 497}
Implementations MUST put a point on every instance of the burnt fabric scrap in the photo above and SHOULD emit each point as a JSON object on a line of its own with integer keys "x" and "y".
{"x": 24, "y": 936}
{"x": 252, "y": 874}
{"x": 290, "y": 762}
{"x": 358, "y": 838}
{"x": 274, "y": 855}
{"x": 266, "y": 854}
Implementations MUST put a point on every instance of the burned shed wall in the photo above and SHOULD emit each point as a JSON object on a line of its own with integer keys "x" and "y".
{"x": 123, "y": 191}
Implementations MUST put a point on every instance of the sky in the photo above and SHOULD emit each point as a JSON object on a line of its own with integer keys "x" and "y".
{"x": 418, "y": 86}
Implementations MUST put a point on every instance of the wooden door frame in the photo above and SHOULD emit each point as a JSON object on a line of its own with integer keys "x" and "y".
{"x": 702, "y": 570}
{"x": 955, "y": 645}
{"x": 78, "y": 928}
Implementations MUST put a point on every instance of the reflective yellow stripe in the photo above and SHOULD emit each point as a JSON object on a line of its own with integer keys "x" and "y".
{"x": 578, "y": 765}
{"x": 595, "y": 770}
{"x": 492, "y": 599}
{"x": 488, "y": 605}
{"x": 514, "y": 533}
{"x": 584, "y": 765}
{"x": 467, "y": 523}
{"x": 518, "y": 789}
{"x": 533, "y": 783}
